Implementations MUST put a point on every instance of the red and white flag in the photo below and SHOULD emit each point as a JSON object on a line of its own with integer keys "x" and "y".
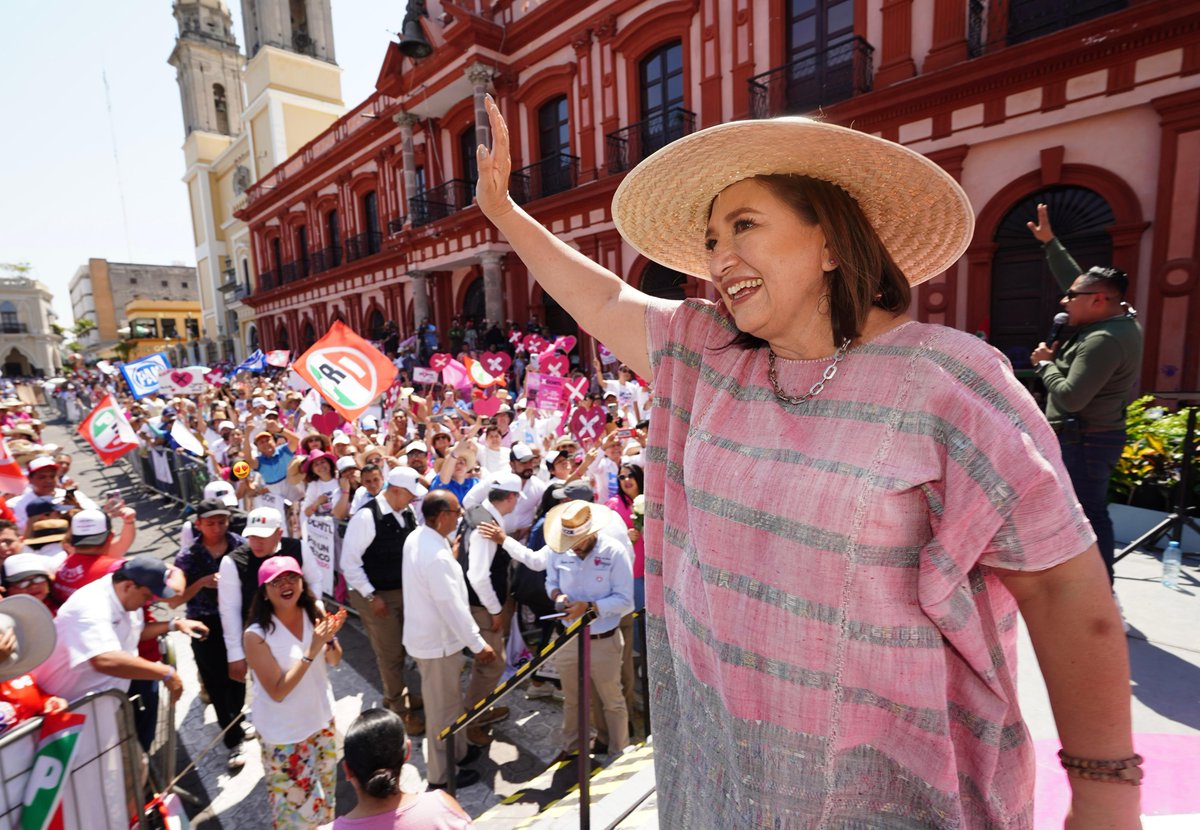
{"x": 106, "y": 429}
{"x": 12, "y": 480}
{"x": 278, "y": 358}
{"x": 346, "y": 370}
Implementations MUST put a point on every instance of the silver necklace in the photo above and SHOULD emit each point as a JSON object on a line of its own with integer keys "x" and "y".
{"x": 814, "y": 390}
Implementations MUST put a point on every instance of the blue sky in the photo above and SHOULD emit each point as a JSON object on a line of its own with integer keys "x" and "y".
{"x": 59, "y": 197}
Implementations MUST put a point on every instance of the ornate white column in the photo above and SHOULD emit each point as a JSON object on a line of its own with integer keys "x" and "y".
{"x": 420, "y": 287}
{"x": 406, "y": 121}
{"x": 493, "y": 286}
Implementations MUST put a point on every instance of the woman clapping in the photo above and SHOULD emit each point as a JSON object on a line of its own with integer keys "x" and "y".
{"x": 288, "y": 646}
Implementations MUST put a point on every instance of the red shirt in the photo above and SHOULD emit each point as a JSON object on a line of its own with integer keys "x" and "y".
{"x": 78, "y": 570}
{"x": 20, "y": 699}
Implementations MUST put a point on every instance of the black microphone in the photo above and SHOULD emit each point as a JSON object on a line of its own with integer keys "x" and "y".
{"x": 1060, "y": 320}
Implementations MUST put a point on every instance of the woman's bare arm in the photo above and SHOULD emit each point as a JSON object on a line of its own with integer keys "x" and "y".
{"x": 600, "y": 301}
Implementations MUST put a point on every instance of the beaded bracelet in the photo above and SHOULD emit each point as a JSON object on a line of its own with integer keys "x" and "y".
{"x": 1122, "y": 771}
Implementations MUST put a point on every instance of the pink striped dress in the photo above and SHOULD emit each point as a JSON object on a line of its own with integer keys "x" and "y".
{"x": 829, "y": 647}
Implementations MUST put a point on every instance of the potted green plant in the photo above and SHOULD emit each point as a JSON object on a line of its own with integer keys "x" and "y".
{"x": 1147, "y": 474}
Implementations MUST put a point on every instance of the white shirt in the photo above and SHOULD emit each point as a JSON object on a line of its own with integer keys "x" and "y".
{"x": 21, "y": 503}
{"x": 229, "y": 601}
{"x": 492, "y": 461}
{"x": 91, "y": 622}
{"x": 360, "y": 533}
{"x": 532, "y": 490}
{"x": 479, "y": 564}
{"x": 437, "y": 619}
{"x": 308, "y": 707}
{"x": 603, "y": 473}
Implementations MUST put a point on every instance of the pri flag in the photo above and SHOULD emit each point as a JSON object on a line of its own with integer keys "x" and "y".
{"x": 12, "y": 480}
{"x": 50, "y": 770}
{"x": 278, "y": 358}
{"x": 348, "y": 371}
{"x": 106, "y": 429}
{"x": 142, "y": 375}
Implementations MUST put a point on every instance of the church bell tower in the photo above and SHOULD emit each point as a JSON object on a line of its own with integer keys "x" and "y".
{"x": 208, "y": 67}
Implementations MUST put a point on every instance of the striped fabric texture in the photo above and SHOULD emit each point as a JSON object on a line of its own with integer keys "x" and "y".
{"x": 829, "y": 647}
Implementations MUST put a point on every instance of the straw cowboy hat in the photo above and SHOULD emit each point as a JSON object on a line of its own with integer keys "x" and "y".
{"x": 920, "y": 213}
{"x": 33, "y": 624}
{"x": 572, "y": 522}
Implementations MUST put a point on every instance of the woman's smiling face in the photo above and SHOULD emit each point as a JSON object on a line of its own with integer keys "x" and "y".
{"x": 767, "y": 262}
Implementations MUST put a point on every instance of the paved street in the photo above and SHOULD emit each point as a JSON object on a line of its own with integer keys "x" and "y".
{"x": 1164, "y": 648}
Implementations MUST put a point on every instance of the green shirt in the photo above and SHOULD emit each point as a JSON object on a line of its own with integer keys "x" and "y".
{"x": 1093, "y": 375}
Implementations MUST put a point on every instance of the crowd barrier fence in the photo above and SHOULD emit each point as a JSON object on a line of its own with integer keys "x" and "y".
{"x": 103, "y": 787}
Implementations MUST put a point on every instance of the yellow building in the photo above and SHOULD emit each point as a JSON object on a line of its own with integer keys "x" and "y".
{"x": 242, "y": 117}
{"x": 163, "y": 326}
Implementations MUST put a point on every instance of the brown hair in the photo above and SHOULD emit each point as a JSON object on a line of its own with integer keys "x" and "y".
{"x": 865, "y": 276}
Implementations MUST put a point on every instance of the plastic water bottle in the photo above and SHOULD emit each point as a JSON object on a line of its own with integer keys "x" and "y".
{"x": 1172, "y": 561}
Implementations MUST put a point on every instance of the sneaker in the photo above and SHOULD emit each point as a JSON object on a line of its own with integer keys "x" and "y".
{"x": 546, "y": 691}
{"x": 249, "y": 731}
{"x": 237, "y": 760}
{"x": 465, "y": 778}
{"x": 414, "y": 724}
{"x": 496, "y": 713}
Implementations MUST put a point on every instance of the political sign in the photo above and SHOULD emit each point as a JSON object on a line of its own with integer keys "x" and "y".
{"x": 346, "y": 370}
{"x": 51, "y": 767}
{"x": 423, "y": 375}
{"x": 587, "y": 425}
{"x": 12, "y": 480}
{"x": 319, "y": 544}
{"x": 278, "y": 358}
{"x": 551, "y": 392}
{"x": 189, "y": 381}
{"x": 106, "y": 429}
{"x": 142, "y": 375}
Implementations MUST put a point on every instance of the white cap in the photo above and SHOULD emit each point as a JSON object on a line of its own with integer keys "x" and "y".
{"x": 521, "y": 452}
{"x": 340, "y": 437}
{"x": 41, "y": 462}
{"x": 416, "y": 446}
{"x": 346, "y": 462}
{"x": 90, "y": 527}
{"x": 369, "y": 422}
{"x": 259, "y": 402}
{"x": 222, "y": 490}
{"x": 26, "y": 565}
{"x": 407, "y": 478}
{"x": 509, "y": 482}
{"x": 225, "y": 425}
{"x": 263, "y": 521}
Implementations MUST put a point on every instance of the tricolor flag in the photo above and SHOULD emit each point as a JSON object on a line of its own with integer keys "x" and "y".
{"x": 346, "y": 370}
{"x": 106, "y": 429}
{"x": 12, "y": 480}
{"x": 479, "y": 375}
{"x": 50, "y": 770}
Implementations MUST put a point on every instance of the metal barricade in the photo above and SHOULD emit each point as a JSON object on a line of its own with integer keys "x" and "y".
{"x": 103, "y": 788}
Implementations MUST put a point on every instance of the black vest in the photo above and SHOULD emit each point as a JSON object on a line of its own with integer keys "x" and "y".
{"x": 383, "y": 560}
{"x": 499, "y": 572}
{"x": 248, "y": 564}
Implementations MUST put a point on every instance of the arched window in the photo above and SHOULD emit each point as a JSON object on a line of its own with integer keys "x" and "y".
{"x": 8, "y": 318}
{"x": 1024, "y": 293}
{"x": 308, "y": 336}
{"x": 282, "y": 340}
{"x": 474, "y": 303}
{"x": 333, "y": 240}
{"x": 663, "y": 120}
{"x": 466, "y": 154}
{"x": 661, "y": 281}
{"x": 370, "y": 217}
{"x": 252, "y": 337}
{"x": 554, "y": 148}
{"x": 375, "y": 324}
{"x": 221, "y": 107}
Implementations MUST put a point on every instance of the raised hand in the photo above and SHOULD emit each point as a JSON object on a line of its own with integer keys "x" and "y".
{"x": 1041, "y": 230}
{"x": 491, "y": 191}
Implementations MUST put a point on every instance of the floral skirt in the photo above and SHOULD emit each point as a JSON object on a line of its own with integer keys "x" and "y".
{"x": 301, "y": 779}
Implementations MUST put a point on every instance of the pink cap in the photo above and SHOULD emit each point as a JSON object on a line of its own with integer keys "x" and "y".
{"x": 276, "y": 565}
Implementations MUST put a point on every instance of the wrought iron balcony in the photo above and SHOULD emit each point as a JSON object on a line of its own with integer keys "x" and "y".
{"x": 325, "y": 259}
{"x": 1029, "y": 20}
{"x": 441, "y": 201}
{"x": 268, "y": 280}
{"x": 396, "y": 225}
{"x": 813, "y": 79}
{"x": 294, "y": 271}
{"x": 627, "y": 146}
{"x": 363, "y": 245}
{"x": 553, "y": 174}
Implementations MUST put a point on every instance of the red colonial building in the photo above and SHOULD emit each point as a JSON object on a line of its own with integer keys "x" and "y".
{"x": 1090, "y": 105}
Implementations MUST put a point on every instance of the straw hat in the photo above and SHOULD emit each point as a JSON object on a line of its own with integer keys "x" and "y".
{"x": 33, "y": 624}
{"x": 661, "y": 208}
{"x": 570, "y": 523}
